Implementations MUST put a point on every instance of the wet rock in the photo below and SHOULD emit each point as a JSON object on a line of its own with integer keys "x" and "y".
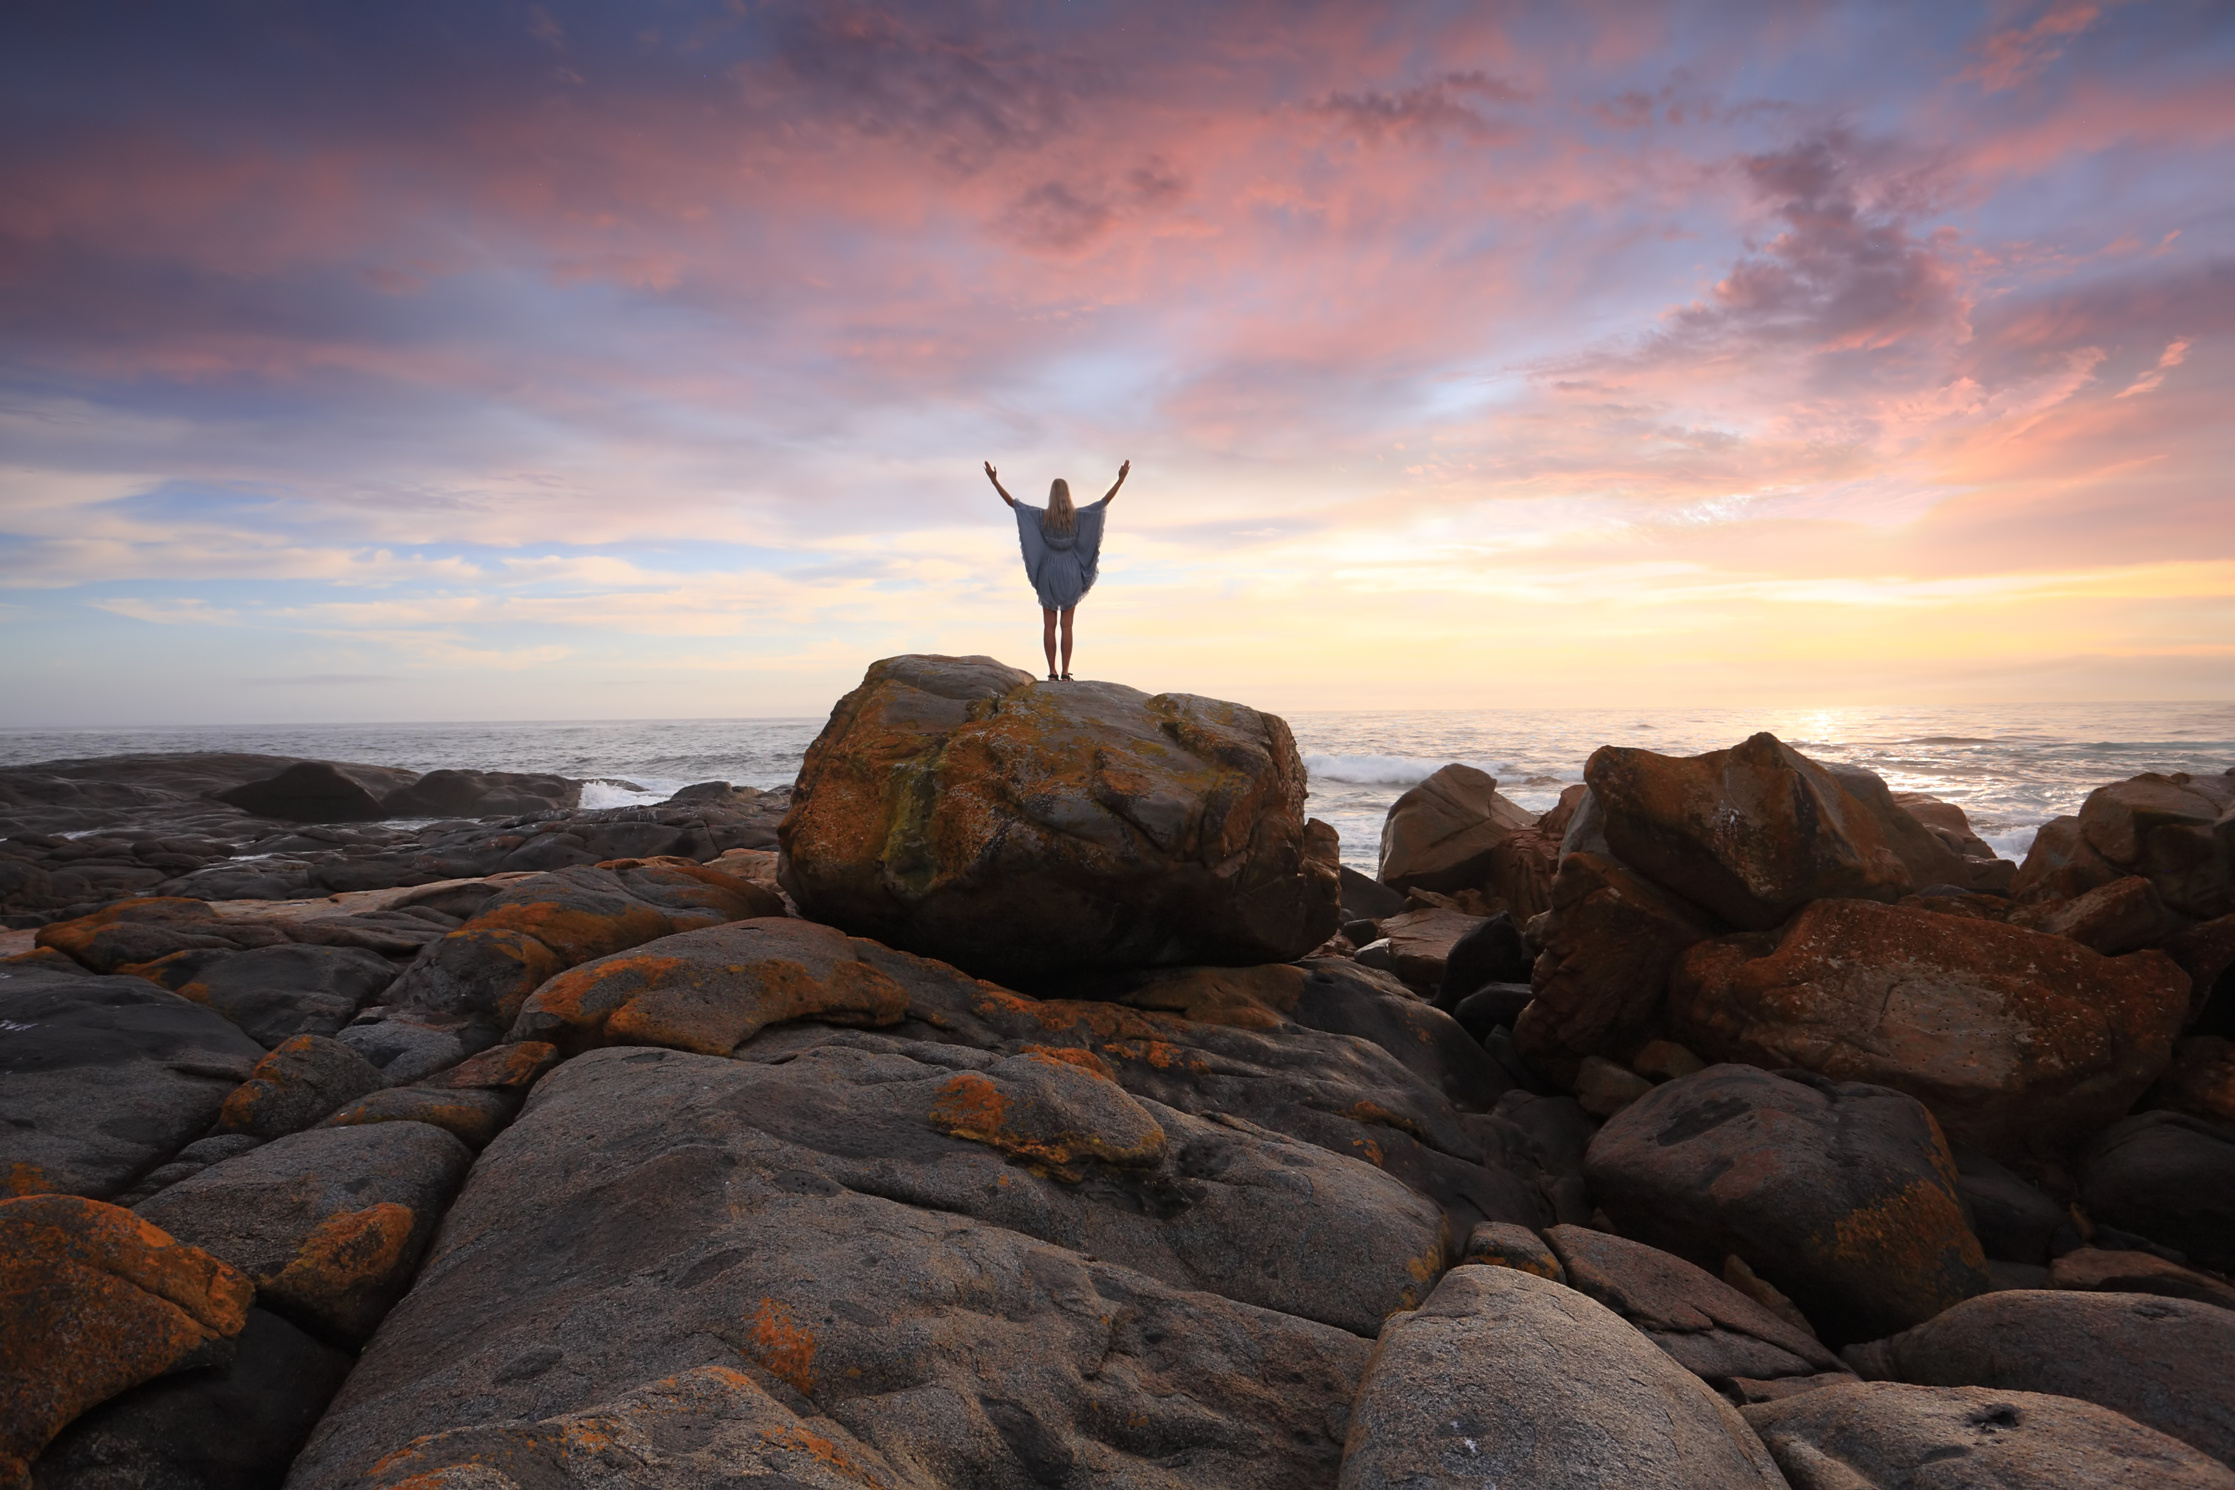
{"x": 1752, "y": 833}
{"x": 330, "y": 1223}
{"x": 1842, "y": 1195}
{"x": 481, "y": 794}
{"x": 1602, "y": 1408}
{"x": 101, "y": 1079}
{"x": 92, "y": 1301}
{"x": 2020, "y": 1043}
{"x": 1706, "y": 1326}
{"x": 2105, "y": 1270}
{"x": 309, "y": 792}
{"x": 1441, "y": 834}
{"x": 1601, "y": 979}
{"x": 807, "y": 1225}
{"x": 236, "y": 1424}
{"x": 957, "y": 809}
{"x": 277, "y": 993}
{"x": 301, "y": 1081}
{"x": 485, "y": 970}
{"x": 1882, "y": 1435}
{"x": 2167, "y": 1363}
{"x": 712, "y": 990}
{"x": 2013, "y": 1221}
{"x": 2170, "y": 1177}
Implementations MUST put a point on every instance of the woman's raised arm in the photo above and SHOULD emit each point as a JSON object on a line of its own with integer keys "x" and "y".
{"x": 1123, "y": 471}
{"x": 996, "y": 480}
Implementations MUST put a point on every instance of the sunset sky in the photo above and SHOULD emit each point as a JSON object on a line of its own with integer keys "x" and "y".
{"x": 493, "y": 361}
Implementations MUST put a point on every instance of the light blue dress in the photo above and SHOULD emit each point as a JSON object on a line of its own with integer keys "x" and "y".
{"x": 1061, "y": 564}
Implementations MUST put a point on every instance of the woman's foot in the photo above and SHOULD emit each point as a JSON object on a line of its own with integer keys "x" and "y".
{"x": 1051, "y": 677}
{"x": 1066, "y": 677}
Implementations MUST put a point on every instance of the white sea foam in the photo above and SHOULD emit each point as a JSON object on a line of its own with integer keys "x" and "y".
{"x": 604, "y": 791}
{"x": 2012, "y": 844}
{"x": 1387, "y": 770}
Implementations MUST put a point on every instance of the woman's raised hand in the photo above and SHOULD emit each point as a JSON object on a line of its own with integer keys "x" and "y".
{"x": 992, "y": 475}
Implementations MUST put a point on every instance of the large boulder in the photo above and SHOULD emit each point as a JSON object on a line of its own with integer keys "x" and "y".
{"x": 102, "y": 1079}
{"x": 2021, "y": 1043}
{"x": 2168, "y": 1176}
{"x": 1929, "y": 857}
{"x": 1841, "y": 1195}
{"x": 1882, "y": 1435}
{"x": 1753, "y": 833}
{"x": 1708, "y": 1327}
{"x": 481, "y": 794}
{"x": 236, "y": 1424}
{"x": 277, "y": 993}
{"x": 2177, "y": 830}
{"x": 485, "y": 970}
{"x": 956, "y": 808}
{"x": 1444, "y": 833}
{"x": 1504, "y": 1378}
{"x": 945, "y": 1255}
{"x": 2169, "y": 1363}
{"x": 330, "y": 1223}
{"x": 92, "y": 1301}
{"x": 310, "y": 792}
{"x": 1602, "y": 975}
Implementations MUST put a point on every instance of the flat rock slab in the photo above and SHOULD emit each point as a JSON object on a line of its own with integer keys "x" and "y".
{"x": 277, "y": 993}
{"x": 1503, "y": 1378}
{"x": 102, "y": 1079}
{"x": 821, "y": 1227}
{"x": 1878, "y": 1435}
{"x": 2168, "y": 1363}
{"x": 330, "y": 1223}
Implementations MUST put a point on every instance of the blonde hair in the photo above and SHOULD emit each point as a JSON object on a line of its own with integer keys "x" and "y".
{"x": 1061, "y": 516}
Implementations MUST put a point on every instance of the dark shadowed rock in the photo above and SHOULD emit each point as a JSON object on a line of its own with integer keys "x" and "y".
{"x": 330, "y": 1223}
{"x": 1882, "y": 1435}
{"x": 1443, "y": 833}
{"x": 1601, "y": 979}
{"x": 228, "y": 1427}
{"x": 2201, "y": 1080}
{"x": 956, "y": 808}
{"x": 301, "y": 1081}
{"x": 2177, "y": 830}
{"x": 2108, "y": 1270}
{"x": 1840, "y": 1194}
{"x": 2013, "y": 1221}
{"x": 2167, "y": 1363}
{"x": 1501, "y": 1244}
{"x": 1491, "y": 952}
{"x": 309, "y": 792}
{"x": 481, "y": 794}
{"x": 1708, "y": 1327}
{"x": 101, "y": 1079}
{"x": 2125, "y": 915}
{"x": 2020, "y": 1043}
{"x": 276, "y": 993}
{"x": 92, "y": 1301}
{"x": 831, "y": 1229}
{"x": 1365, "y": 899}
{"x": 1601, "y": 1409}
{"x": 1418, "y": 944}
{"x": 1753, "y": 833}
{"x": 2170, "y": 1177}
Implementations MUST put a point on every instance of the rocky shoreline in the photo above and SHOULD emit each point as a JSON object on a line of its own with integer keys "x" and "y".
{"x": 1027, "y": 1097}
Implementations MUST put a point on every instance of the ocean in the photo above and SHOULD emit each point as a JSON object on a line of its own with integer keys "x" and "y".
{"x": 2011, "y": 767}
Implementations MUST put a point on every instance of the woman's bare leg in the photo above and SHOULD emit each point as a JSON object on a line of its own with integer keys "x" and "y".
{"x": 1067, "y": 640}
{"x": 1047, "y": 638}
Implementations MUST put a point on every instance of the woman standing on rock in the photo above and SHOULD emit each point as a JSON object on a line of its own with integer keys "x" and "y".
{"x": 1061, "y": 546}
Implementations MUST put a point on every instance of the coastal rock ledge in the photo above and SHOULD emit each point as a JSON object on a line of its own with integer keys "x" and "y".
{"x": 1029, "y": 1122}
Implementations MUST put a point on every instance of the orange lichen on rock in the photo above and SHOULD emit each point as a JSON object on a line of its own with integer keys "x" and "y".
{"x": 474, "y": 1116}
{"x": 784, "y": 1349}
{"x": 25, "y": 1178}
{"x": 340, "y": 1271}
{"x": 1246, "y": 998}
{"x": 94, "y": 1300}
{"x": 1048, "y": 1110}
{"x": 1907, "y": 1235}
